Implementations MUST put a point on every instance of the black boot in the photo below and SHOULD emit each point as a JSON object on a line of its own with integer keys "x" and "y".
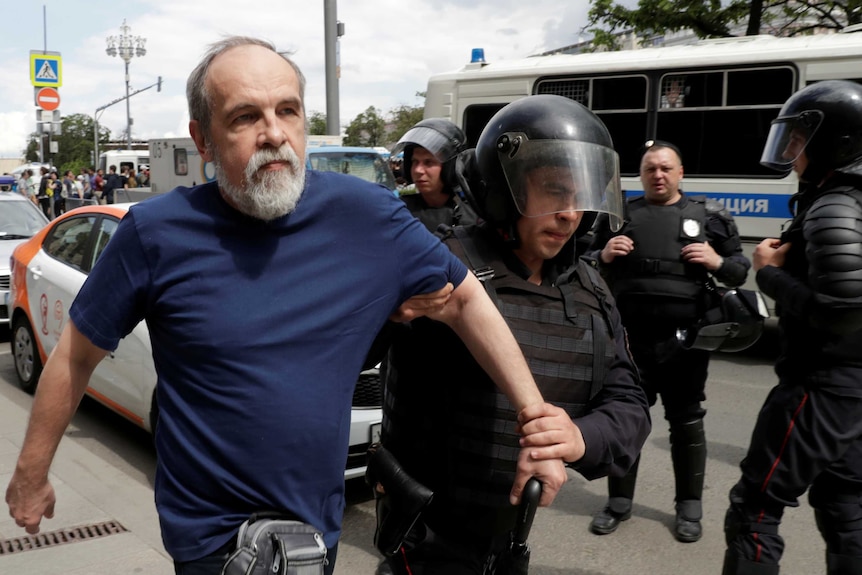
{"x": 734, "y": 564}
{"x": 688, "y": 452}
{"x": 621, "y": 491}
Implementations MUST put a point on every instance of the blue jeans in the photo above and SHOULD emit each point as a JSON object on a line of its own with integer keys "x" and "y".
{"x": 212, "y": 564}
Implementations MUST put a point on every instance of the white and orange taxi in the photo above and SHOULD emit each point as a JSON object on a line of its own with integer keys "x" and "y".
{"x": 47, "y": 272}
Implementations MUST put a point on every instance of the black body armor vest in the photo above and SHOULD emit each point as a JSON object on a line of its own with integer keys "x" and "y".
{"x": 653, "y": 281}
{"x": 445, "y": 419}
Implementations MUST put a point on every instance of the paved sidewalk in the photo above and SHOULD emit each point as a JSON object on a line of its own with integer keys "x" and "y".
{"x": 90, "y": 490}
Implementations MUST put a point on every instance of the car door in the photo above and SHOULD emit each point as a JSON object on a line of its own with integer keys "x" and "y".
{"x": 124, "y": 380}
{"x": 55, "y": 274}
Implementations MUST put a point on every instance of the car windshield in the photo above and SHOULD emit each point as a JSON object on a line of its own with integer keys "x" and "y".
{"x": 367, "y": 165}
{"x": 20, "y": 220}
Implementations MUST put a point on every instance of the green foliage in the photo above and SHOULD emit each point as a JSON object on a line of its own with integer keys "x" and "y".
{"x": 31, "y": 152}
{"x": 74, "y": 143}
{"x": 717, "y": 19}
{"x": 404, "y": 118}
{"x": 317, "y": 124}
{"x": 370, "y": 129}
{"x": 367, "y": 129}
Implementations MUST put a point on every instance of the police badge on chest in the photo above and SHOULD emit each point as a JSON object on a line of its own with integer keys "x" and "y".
{"x": 691, "y": 230}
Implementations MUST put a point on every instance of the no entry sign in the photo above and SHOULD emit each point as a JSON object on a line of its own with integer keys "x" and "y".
{"x": 48, "y": 99}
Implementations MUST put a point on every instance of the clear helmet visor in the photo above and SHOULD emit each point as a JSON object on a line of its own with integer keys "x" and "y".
{"x": 787, "y": 139}
{"x": 442, "y": 147}
{"x": 555, "y": 176}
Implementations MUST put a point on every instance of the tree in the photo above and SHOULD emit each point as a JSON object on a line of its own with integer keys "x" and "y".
{"x": 403, "y": 118}
{"x": 75, "y": 143}
{"x": 31, "y": 152}
{"x": 367, "y": 129}
{"x": 717, "y": 19}
{"x": 317, "y": 124}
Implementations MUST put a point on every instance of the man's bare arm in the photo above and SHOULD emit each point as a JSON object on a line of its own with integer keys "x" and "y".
{"x": 61, "y": 387}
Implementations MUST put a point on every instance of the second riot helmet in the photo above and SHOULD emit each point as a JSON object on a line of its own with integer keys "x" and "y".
{"x": 441, "y": 138}
{"x": 823, "y": 119}
{"x": 581, "y": 168}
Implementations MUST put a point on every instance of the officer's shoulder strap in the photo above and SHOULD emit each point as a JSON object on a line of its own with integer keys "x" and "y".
{"x": 478, "y": 253}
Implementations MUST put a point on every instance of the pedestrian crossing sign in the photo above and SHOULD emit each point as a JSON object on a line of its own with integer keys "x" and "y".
{"x": 46, "y": 69}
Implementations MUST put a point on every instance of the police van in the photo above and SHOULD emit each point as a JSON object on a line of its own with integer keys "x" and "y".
{"x": 715, "y": 99}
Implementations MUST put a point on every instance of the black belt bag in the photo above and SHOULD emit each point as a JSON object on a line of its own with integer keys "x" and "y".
{"x": 269, "y": 544}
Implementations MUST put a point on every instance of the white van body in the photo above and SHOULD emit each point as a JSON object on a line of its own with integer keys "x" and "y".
{"x": 135, "y": 159}
{"x": 176, "y": 162}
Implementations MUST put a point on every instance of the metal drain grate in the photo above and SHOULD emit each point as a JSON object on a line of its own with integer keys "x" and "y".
{"x": 60, "y": 537}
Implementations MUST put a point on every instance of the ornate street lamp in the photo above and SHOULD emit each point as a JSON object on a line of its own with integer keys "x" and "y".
{"x": 126, "y": 47}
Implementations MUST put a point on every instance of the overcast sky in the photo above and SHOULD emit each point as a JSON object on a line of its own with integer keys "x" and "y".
{"x": 389, "y": 50}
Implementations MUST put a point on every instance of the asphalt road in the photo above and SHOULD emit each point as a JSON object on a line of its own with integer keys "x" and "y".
{"x": 560, "y": 539}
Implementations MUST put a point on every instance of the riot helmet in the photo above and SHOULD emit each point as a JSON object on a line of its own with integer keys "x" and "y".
{"x": 441, "y": 138}
{"x": 562, "y": 143}
{"x": 824, "y": 120}
{"x": 735, "y": 324}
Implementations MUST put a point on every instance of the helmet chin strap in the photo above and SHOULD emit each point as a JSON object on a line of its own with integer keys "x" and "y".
{"x": 509, "y": 234}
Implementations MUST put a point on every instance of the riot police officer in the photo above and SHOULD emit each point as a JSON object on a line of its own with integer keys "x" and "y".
{"x": 548, "y": 166}
{"x": 430, "y": 151}
{"x": 808, "y": 435}
{"x": 657, "y": 266}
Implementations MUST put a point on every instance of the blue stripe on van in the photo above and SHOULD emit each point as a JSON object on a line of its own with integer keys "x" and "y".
{"x": 745, "y": 205}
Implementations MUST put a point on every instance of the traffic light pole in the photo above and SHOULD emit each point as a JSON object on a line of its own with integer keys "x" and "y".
{"x": 100, "y": 109}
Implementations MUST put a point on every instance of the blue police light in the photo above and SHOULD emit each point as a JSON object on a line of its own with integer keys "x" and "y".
{"x": 478, "y": 56}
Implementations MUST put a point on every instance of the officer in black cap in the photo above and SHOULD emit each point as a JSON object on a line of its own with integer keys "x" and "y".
{"x": 808, "y": 435}
{"x": 430, "y": 151}
{"x": 657, "y": 266}
{"x": 547, "y": 166}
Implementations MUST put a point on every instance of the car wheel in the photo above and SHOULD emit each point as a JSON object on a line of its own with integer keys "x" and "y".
{"x": 28, "y": 363}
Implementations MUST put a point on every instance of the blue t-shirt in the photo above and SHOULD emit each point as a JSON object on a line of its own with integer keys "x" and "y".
{"x": 259, "y": 331}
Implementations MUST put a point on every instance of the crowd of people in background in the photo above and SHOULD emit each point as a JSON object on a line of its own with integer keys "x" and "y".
{"x": 544, "y": 351}
{"x": 50, "y": 191}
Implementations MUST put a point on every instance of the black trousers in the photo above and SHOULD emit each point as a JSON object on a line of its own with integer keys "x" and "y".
{"x": 668, "y": 371}
{"x": 808, "y": 435}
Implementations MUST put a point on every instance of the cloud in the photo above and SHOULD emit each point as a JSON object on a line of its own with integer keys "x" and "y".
{"x": 389, "y": 50}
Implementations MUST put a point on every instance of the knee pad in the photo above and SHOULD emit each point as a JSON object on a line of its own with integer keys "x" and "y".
{"x": 738, "y": 521}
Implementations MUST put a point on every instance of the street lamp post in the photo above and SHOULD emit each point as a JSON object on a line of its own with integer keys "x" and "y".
{"x": 126, "y": 46}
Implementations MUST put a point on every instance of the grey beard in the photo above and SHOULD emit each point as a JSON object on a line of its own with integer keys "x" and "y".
{"x": 265, "y": 195}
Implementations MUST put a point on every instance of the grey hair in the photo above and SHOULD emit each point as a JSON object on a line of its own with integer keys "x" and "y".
{"x": 196, "y": 90}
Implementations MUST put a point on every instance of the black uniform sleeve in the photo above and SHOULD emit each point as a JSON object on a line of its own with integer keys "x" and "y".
{"x": 722, "y": 235}
{"x": 618, "y": 422}
{"x": 790, "y": 294}
{"x": 832, "y": 229}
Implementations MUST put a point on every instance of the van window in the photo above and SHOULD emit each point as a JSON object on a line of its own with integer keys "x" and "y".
{"x": 181, "y": 162}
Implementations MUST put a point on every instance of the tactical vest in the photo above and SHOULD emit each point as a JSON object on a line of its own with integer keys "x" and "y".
{"x": 469, "y": 439}
{"x": 455, "y": 212}
{"x": 653, "y": 279}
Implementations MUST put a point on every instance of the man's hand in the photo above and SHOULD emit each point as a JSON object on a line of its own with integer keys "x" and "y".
{"x": 551, "y": 472}
{"x": 769, "y": 252}
{"x": 617, "y": 246}
{"x": 703, "y": 254}
{"x": 29, "y": 501}
{"x": 549, "y": 433}
{"x": 423, "y": 304}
